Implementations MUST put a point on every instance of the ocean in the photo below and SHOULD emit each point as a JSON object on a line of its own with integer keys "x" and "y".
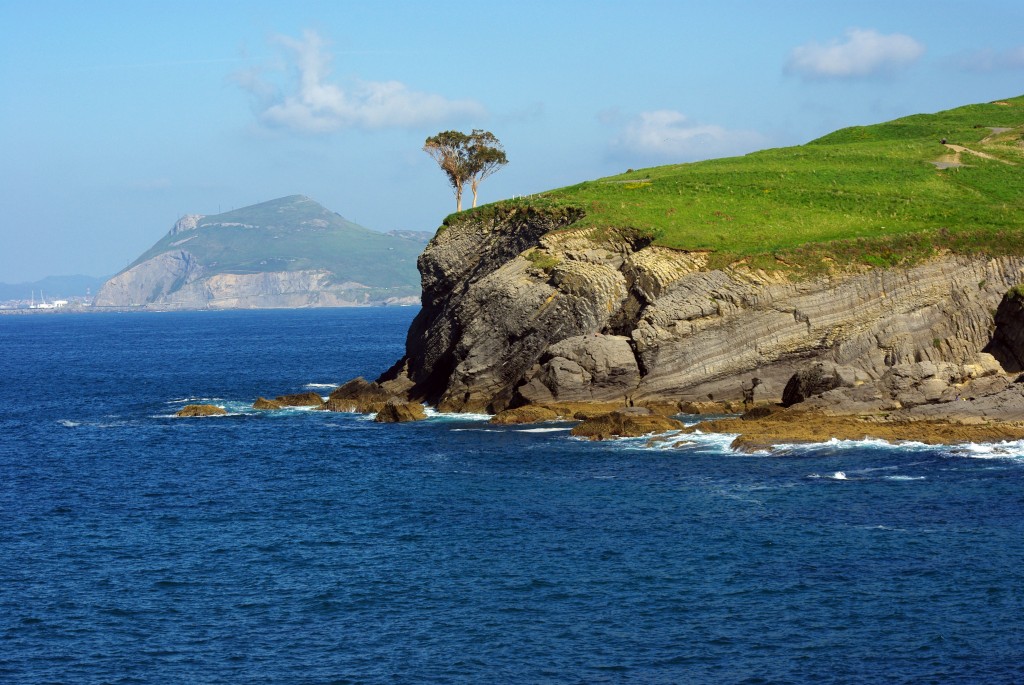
{"x": 311, "y": 547}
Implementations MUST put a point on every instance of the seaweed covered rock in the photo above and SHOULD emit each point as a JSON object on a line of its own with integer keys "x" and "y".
{"x": 302, "y": 399}
{"x": 400, "y": 411}
{"x": 201, "y": 410}
{"x": 359, "y": 396}
{"x": 528, "y": 414}
{"x": 631, "y": 422}
{"x": 264, "y": 403}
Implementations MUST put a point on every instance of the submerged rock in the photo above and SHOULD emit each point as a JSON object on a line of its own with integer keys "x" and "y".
{"x": 201, "y": 410}
{"x": 399, "y": 411}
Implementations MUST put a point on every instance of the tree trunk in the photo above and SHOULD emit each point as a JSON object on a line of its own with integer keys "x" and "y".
{"x": 474, "y": 187}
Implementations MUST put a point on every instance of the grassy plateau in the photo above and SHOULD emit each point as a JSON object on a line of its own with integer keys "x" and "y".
{"x": 880, "y": 195}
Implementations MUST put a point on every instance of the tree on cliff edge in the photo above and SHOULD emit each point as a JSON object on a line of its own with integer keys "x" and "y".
{"x": 466, "y": 158}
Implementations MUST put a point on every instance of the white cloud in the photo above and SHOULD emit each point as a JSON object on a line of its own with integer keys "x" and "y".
{"x": 308, "y": 101}
{"x": 861, "y": 53}
{"x": 669, "y": 136}
{"x": 993, "y": 60}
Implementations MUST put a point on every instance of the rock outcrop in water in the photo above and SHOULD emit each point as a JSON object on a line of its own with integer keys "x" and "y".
{"x": 520, "y": 308}
{"x": 398, "y": 411}
{"x": 201, "y": 410}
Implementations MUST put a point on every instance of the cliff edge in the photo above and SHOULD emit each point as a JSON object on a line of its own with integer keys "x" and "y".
{"x": 867, "y": 252}
{"x": 520, "y": 308}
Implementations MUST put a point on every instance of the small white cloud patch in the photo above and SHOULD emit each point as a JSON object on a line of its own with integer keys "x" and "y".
{"x": 861, "y": 53}
{"x": 308, "y": 101}
{"x": 668, "y": 135}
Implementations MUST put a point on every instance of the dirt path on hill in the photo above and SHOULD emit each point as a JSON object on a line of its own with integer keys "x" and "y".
{"x": 953, "y": 161}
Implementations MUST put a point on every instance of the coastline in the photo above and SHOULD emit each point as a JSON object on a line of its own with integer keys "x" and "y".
{"x": 766, "y": 433}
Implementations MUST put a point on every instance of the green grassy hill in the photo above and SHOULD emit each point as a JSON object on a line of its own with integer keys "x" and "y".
{"x": 291, "y": 234}
{"x": 876, "y": 195}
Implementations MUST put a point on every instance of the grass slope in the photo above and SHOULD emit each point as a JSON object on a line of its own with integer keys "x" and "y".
{"x": 870, "y": 195}
{"x": 291, "y": 234}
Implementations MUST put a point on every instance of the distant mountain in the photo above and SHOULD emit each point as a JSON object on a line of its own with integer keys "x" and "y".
{"x": 53, "y": 287}
{"x": 289, "y": 252}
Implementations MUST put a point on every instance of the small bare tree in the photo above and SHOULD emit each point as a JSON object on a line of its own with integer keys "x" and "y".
{"x": 466, "y": 159}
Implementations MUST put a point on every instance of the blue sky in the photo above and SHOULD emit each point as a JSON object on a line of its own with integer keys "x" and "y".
{"x": 119, "y": 117}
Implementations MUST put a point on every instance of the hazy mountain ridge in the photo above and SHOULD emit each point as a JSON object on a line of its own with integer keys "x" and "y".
{"x": 52, "y": 287}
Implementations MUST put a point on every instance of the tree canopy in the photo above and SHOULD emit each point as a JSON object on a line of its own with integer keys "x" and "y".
{"x": 466, "y": 158}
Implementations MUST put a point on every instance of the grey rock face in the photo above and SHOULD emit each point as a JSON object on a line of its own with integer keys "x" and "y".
{"x": 584, "y": 368}
{"x": 150, "y": 281}
{"x": 974, "y": 391}
{"x": 187, "y": 223}
{"x": 818, "y": 378}
{"x": 1007, "y": 344}
{"x": 175, "y": 280}
{"x": 513, "y": 312}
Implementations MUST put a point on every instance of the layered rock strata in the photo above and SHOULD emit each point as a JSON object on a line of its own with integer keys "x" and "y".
{"x": 520, "y": 308}
{"x": 176, "y": 280}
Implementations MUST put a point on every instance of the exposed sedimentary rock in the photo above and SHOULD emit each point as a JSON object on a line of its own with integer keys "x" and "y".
{"x": 264, "y": 403}
{"x": 625, "y": 423}
{"x": 399, "y": 411}
{"x": 584, "y": 367}
{"x": 519, "y": 307}
{"x": 791, "y": 426}
{"x": 816, "y": 379}
{"x": 970, "y": 392}
{"x": 154, "y": 277}
{"x": 302, "y": 399}
{"x": 201, "y": 410}
{"x": 528, "y": 414}
{"x": 1007, "y": 344}
{"x": 359, "y": 396}
{"x": 177, "y": 281}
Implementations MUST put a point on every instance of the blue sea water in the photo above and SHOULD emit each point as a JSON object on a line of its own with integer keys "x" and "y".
{"x": 313, "y": 547}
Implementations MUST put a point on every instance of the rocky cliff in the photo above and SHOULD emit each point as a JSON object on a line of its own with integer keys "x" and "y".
{"x": 518, "y": 307}
{"x": 177, "y": 281}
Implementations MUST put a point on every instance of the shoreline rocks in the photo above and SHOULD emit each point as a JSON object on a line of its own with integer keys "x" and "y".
{"x": 201, "y": 410}
{"x": 521, "y": 306}
{"x": 400, "y": 411}
{"x": 264, "y": 403}
{"x": 358, "y": 396}
{"x": 303, "y": 399}
{"x": 766, "y": 433}
{"x": 629, "y": 422}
